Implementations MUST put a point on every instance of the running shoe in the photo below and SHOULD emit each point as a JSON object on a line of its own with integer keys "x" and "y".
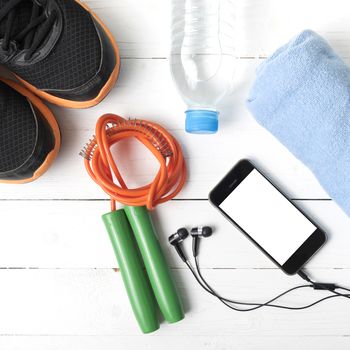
{"x": 29, "y": 134}
{"x": 58, "y": 49}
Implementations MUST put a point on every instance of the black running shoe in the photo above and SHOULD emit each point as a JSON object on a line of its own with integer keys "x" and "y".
{"x": 29, "y": 134}
{"x": 59, "y": 50}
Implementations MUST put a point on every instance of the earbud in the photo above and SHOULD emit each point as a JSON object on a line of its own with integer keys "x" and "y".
{"x": 175, "y": 240}
{"x": 202, "y": 231}
{"x": 196, "y": 232}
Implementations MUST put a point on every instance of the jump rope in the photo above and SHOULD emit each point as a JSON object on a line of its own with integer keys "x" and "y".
{"x": 100, "y": 165}
{"x": 143, "y": 267}
{"x": 141, "y": 262}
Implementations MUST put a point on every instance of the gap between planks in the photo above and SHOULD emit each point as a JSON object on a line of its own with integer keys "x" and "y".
{"x": 116, "y": 269}
{"x": 107, "y": 199}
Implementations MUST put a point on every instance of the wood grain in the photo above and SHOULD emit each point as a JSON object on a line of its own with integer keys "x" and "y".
{"x": 59, "y": 287}
{"x": 70, "y": 234}
{"x": 93, "y": 302}
{"x": 142, "y": 27}
{"x": 145, "y": 90}
{"x": 172, "y": 342}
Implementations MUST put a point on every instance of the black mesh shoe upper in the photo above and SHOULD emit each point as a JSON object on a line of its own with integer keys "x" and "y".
{"x": 18, "y": 129}
{"x": 26, "y": 136}
{"x": 67, "y": 45}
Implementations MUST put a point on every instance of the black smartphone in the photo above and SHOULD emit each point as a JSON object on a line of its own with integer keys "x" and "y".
{"x": 267, "y": 217}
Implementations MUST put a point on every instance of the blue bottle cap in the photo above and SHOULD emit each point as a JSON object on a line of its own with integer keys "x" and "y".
{"x": 201, "y": 121}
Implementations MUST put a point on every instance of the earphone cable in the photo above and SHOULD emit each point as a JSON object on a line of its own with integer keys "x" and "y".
{"x": 204, "y": 284}
{"x": 257, "y": 305}
{"x": 325, "y": 286}
{"x": 182, "y": 233}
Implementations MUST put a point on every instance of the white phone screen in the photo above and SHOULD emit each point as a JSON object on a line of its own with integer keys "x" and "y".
{"x": 267, "y": 217}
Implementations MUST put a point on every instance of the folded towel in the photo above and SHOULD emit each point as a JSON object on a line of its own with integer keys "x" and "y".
{"x": 302, "y": 96}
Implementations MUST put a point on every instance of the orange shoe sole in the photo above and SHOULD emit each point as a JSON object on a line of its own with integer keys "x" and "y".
{"x": 104, "y": 91}
{"x": 49, "y": 117}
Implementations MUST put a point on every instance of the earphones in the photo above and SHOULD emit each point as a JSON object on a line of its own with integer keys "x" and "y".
{"x": 197, "y": 233}
{"x": 176, "y": 239}
{"x": 182, "y": 233}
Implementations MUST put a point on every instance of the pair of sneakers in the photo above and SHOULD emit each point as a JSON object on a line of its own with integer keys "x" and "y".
{"x": 61, "y": 52}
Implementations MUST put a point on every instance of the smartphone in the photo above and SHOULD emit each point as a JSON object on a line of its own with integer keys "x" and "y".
{"x": 267, "y": 217}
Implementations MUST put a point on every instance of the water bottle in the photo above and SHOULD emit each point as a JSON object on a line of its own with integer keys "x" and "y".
{"x": 202, "y": 58}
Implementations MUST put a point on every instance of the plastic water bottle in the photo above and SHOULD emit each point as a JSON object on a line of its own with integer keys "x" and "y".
{"x": 202, "y": 58}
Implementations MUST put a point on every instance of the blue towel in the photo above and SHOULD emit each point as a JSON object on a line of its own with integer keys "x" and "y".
{"x": 302, "y": 96}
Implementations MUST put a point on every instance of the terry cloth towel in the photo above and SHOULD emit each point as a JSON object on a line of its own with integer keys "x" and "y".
{"x": 302, "y": 96}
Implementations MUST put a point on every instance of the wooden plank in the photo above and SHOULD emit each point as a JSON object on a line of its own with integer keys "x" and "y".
{"x": 93, "y": 302}
{"x": 172, "y": 342}
{"x": 70, "y": 234}
{"x": 145, "y": 90}
{"x": 86, "y": 309}
{"x": 263, "y": 26}
{"x": 142, "y": 28}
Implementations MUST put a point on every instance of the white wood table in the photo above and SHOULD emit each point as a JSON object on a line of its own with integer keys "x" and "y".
{"x": 60, "y": 287}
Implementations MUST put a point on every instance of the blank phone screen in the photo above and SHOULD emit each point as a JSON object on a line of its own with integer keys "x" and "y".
{"x": 267, "y": 217}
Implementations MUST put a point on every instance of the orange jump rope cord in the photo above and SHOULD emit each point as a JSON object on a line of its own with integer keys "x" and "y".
{"x": 101, "y": 166}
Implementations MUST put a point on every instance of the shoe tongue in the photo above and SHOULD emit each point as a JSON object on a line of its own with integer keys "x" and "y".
{"x": 22, "y": 17}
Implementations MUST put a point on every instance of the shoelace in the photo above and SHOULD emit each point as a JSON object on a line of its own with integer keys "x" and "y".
{"x": 30, "y": 36}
